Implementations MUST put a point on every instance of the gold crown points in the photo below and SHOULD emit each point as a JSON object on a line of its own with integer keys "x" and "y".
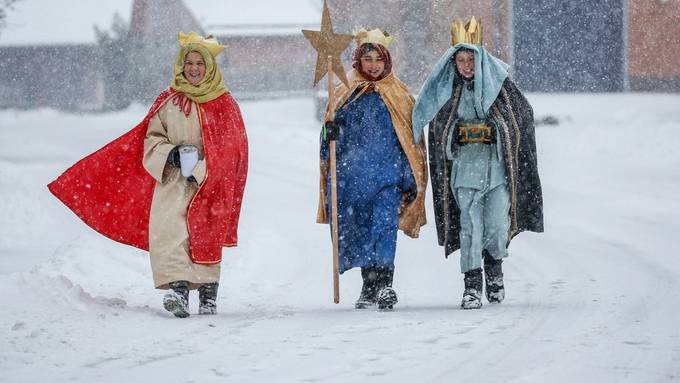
{"x": 466, "y": 33}
{"x": 210, "y": 42}
{"x": 374, "y": 36}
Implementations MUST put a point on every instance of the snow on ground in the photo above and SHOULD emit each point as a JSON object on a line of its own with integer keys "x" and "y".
{"x": 594, "y": 299}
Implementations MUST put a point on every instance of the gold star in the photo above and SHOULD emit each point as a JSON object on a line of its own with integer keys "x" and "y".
{"x": 328, "y": 43}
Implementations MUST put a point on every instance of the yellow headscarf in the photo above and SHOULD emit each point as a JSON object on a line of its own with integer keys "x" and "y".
{"x": 212, "y": 85}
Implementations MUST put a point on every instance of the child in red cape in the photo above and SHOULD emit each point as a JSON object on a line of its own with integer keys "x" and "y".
{"x": 146, "y": 190}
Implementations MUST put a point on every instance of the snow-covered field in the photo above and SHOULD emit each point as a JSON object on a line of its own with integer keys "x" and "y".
{"x": 594, "y": 299}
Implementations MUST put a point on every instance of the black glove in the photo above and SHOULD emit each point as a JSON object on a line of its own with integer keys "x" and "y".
{"x": 332, "y": 130}
{"x": 173, "y": 157}
{"x": 456, "y": 134}
{"x": 410, "y": 196}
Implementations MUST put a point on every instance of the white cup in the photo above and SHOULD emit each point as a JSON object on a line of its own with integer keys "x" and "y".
{"x": 188, "y": 158}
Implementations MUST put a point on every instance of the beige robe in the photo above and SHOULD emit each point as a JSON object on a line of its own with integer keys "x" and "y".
{"x": 168, "y": 234}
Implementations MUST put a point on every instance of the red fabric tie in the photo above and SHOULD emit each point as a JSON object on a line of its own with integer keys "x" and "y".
{"x": 183, "y": 102}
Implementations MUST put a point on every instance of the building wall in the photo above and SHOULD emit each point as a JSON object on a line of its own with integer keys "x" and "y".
{"x": 58, "y": 76}
{"x": 575, "y": 46}
{"x": 267, "y": 65}
{"x": 157, "y": 19}
{"x": 654, "y": 45}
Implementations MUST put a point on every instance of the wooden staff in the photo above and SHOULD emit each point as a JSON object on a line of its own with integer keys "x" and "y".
{"x": 334, "y": 191}
{"x": 329, "y": 46}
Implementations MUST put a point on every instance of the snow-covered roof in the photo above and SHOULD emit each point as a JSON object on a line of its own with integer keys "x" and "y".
{"x": 36, "y": 22}
{"x": 230, "y": 17}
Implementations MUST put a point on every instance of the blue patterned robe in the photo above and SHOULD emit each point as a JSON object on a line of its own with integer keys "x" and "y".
{"x": 372, "y": 174}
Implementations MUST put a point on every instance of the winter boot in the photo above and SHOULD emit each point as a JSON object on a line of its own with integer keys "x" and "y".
{"x": 387, "y": 297}
{"x": 493, "y": 276}
{"x": 369, "y": 290}
{"x": 207, "y": 295}
{"x": 177, "y": 300}
{"x": 472, "y": 297}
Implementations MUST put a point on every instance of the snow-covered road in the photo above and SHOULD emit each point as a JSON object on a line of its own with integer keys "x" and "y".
{"x": 594, "y": 299}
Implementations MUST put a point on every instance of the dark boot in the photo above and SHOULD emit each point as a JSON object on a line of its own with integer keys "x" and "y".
{"x": 177, "y": 300}
{"x": 472, "y": 297}
{"x": 369, "y": 291}
{"x": 207, "y": 296}
{"x": 387, "y": 297}
{"x": 493, "y": 276}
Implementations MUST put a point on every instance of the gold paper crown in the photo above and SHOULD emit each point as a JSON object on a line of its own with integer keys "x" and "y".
{"x": 210, "y": 43}
{"x": 466, "y": 33}
{"x": 374, "y": 36}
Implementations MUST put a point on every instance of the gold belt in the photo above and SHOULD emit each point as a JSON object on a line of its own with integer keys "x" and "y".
{"x": 475, "y": 133}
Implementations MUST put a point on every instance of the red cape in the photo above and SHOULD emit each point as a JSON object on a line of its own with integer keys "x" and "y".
{"x": 111, "y": 191}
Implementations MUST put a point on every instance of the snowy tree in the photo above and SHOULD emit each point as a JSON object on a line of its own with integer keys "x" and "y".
{"x": 5, "y": 5}
{"x": 114, "y": 53}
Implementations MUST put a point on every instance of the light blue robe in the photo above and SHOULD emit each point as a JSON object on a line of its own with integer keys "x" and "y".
{"x": 479, "y": 186}
{"x": 477, "y": 166}
{"x": 478, "y": 170}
